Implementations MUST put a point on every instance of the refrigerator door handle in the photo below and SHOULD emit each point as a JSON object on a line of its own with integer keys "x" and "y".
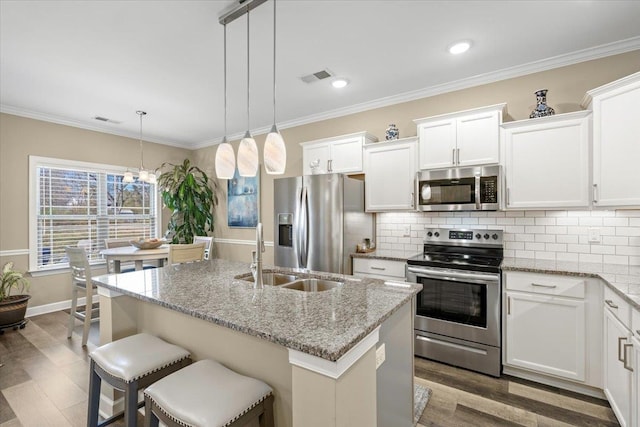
{"x": 304, "y": 229}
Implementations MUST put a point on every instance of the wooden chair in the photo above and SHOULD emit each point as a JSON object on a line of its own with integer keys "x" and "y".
{"x": 208, "y": 240}
{"x": 192, "y": 252}
{"x": 80, "y": 280}
{"x": 119, "y": 243}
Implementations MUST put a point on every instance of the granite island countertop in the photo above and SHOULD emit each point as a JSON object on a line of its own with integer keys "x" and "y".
{"x": 323, "y": 324}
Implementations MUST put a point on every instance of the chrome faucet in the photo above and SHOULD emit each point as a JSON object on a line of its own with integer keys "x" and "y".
{"x": 256, "y": 258}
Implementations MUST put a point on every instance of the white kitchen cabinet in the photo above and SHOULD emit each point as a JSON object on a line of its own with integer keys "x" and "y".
{"x": 617, "y": 377}
{"x": 376, "y": 268}
{"x": 340, "y": 154}
{"x": 464, "y": 138}
{"x": 536, "y": 323}
{"x": 635, "y": 392}
{"x": 390, "y": 169}
{"x": 546, "y": 162}
{"x": 616, "y": 151}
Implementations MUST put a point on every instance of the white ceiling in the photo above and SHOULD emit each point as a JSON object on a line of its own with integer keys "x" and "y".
{"x": 69, "y": 61}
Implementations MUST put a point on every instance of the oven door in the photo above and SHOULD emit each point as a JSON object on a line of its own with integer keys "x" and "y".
{"x": 458, "y": 304}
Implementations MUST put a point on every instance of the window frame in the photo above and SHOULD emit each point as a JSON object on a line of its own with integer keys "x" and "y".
{"x": 34, "y": 197}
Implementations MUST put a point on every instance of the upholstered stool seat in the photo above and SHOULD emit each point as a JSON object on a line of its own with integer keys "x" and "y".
{"x": 130, "y": 364}
{"x": 208, "y": 394}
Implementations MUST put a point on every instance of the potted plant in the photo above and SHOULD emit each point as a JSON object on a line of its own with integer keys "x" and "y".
{"x": 12, "y": 307}
{"x": 187, "y": 191}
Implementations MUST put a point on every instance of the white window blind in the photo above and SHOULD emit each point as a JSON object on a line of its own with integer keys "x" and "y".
{"x": 81, "y": 204}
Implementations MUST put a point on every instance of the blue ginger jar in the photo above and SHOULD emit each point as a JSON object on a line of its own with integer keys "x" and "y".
{"x": 392, "y": 132}
{"x": 542, "y": 109}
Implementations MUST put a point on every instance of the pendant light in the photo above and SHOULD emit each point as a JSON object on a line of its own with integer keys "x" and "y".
{"x": 143, "y": 174}
{"x": 225, "y": 158}
{"x": 248, "y": 150}
{"x": 275, "y": 152}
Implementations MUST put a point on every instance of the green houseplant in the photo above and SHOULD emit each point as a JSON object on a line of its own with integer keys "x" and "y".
{"x": 188, "y": 193}
{"x": 12, "y": 307}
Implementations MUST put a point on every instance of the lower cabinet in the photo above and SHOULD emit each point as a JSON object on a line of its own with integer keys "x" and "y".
{"x": 375, "y": 268}
{"x": 617, "y": 367}
{"x": 635, "y": 392}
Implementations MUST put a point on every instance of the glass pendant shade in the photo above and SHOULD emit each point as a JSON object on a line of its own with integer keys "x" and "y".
{"x": 225, "y": 161}
{"x": 143, "y": 175}
{"x": 152, "y": 178}
{"x": 275, "y": 153}
{"x": 128, "y": 177}
{"x": 248, "y": 156}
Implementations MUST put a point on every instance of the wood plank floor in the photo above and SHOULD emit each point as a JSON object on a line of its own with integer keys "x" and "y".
{"x": 44, "y": 380}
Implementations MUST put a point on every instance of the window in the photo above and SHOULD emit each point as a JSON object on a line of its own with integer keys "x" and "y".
{"x": 82, "y": 204}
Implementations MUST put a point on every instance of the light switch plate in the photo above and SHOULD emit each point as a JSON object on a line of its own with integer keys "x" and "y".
{"x": 407, "y": 231}
{"x": 594, "y": 235}
{"x": 380, "y": 355}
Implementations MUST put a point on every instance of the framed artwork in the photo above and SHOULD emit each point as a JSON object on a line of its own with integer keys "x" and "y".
{"x": 243, "y": 201}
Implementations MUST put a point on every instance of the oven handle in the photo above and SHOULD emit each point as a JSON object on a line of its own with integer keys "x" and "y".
{"x": 455, "y": 276}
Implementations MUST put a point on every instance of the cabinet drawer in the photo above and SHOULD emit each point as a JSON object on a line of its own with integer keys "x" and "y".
{"x": 548, "y": 284}
{"x": 619, "y": 307}
{"x": 379, "y": 267}
{"x": 635, "y": 326}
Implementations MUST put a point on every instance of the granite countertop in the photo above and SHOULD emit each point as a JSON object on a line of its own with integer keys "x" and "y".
{"x": 623, "y": 279}
{"x": 324, "y": 324}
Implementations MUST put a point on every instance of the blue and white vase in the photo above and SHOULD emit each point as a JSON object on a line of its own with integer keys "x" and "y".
{"x": 392, "y": 132}
{"x": 542, "y": 109}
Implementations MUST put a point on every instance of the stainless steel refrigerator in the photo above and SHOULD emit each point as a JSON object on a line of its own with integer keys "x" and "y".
{"x": 319, "y": 220}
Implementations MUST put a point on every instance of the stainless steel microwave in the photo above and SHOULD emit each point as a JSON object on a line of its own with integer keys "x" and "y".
{"x": 459, "y": 189}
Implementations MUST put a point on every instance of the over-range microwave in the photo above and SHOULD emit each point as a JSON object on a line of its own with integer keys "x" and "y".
{"x": 459, "y": 189}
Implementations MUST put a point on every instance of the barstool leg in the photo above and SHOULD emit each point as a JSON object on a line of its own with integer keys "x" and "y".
{"x": 74, "y": 307}
{"x": 266, "y": 419}
{"x": 150, "y": 419}
{"x": 131, "y": 404}
{"x": 94, "y": 396}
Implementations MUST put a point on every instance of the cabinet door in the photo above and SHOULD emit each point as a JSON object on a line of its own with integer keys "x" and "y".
{"x": 617, "y": 379}
{"x": 437, "y": 144}
{"x": 310, "y": 153}
{"x": 547, "y": 164}
{"x": 389, "y": 176}
{"x": 379, "y": 268}
{"x": 616, "y": 151}
{"x": 346, "y": 156}
{"x": 635, "y": 393}
{"x": 478, "y": 139}
{"x": 546, "y": 334}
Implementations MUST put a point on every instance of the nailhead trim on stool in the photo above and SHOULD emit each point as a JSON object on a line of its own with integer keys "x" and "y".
{"x": 206, "y": 394}
{"x": 130, "y": 364}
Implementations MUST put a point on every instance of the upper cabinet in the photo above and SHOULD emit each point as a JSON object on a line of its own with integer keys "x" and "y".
{"x": 465, "y": 138}
{"x": 340, "y": 154}
{"x": 390, "y": 169}
{"x": 616, "y": 146}
{"x": 546, "y": 162}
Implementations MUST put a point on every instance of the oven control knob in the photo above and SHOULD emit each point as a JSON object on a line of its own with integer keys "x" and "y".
{"x": 494, "y": 236}
{"x": 486, "y": 236}
{"x": 429, "y": 234}
{"x": 436, "y": 234}
{"x": 478, "y": 236}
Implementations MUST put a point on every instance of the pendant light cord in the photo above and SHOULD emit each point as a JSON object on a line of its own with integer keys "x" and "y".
{"x": 248, "y": 74}
{"x": 225, "y": 83}
{"x": 274, "y": 62}
{"x": 141, "y": 113}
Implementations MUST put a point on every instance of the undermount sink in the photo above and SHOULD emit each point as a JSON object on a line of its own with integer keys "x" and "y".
{"x": 312, "y": 285}
{"x": 274, "y": 279}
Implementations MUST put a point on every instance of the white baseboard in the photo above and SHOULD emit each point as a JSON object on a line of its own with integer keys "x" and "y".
{"x": 56, "y": 306}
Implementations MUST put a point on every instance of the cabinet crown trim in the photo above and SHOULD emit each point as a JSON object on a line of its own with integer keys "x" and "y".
{"x": 548, "y": 119}
{"x": 495, "y": 107}
{"x": 616, "y": 84}
{"x": 364, "y": 134}
{"x": 393, "y": 141}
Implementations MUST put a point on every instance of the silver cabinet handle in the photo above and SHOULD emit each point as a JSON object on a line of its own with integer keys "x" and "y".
{"x": 540, "y": 285}
{"x": 595, "y": 193}
{"x": 610, "y": 303}
{"x": 624, "y": 362}
{"x": 508, "y": 198}
{"x": 329, "y": 165}
{"x": 411, "y": 201}
{"x": 453, "y": 156}
{"x": 508, "y": 305}
{"x": 620, "y": 356}
{"x": 378, "y": 268}
{"x": 458, "y": 156}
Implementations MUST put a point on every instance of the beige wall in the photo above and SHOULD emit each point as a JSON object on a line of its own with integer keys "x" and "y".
{"x": 567, "y": 87}
{"x": 21, "y": 137}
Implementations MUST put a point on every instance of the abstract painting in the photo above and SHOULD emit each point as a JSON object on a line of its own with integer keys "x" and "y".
{"x": 243, "y": 201}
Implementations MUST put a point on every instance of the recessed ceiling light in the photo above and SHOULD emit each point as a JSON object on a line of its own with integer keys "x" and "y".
{"x": 459, "y": 47}
{"x": 340, "y": 83}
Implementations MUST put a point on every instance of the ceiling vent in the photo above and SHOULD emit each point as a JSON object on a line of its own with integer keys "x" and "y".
{"x": 319, "y": 75}
{"x": 107, "y": 120}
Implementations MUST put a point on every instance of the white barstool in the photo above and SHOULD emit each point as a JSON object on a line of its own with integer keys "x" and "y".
{"x": 130, "y": 364}
{"x": 206, "y": 394}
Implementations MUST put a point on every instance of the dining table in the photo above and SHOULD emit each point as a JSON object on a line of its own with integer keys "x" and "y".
{"x": 131, "y": 253}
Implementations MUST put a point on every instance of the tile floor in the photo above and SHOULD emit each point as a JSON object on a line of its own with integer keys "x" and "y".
{"x": 44, "y": 381}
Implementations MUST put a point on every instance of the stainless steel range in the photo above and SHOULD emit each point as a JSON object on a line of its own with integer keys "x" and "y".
{"x": 458, "y": 310}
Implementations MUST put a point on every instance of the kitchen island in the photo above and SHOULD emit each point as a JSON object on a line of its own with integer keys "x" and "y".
{"x": 317, "y": 350}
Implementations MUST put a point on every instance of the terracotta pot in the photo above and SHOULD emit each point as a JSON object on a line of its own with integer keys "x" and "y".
{"x": 13, "y": 309}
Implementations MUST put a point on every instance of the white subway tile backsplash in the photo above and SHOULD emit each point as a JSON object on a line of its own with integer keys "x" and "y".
{"x": 560, "y": 235}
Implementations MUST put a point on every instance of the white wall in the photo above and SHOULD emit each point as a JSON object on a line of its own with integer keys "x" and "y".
{"x": 552, "y": 235}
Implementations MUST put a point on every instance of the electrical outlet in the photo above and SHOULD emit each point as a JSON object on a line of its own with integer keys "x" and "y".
{"x": 407, "y": 231}
{"x": 380, "y": 356}
{"x": 594, "y": 235}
